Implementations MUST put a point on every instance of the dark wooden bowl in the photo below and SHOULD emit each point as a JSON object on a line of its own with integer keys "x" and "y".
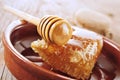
{"x": 24, "y": 64}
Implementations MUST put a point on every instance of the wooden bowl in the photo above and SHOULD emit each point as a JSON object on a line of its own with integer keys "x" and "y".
{"x": 24, "y": 64}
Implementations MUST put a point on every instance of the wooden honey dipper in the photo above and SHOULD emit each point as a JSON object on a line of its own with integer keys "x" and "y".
{"x": 51, "y": 28}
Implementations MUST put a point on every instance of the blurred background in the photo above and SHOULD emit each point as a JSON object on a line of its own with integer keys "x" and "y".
{"x": 62, "y": 8}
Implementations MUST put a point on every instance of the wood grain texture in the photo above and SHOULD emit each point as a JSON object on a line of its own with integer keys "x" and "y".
{"x": 62, "y": 8}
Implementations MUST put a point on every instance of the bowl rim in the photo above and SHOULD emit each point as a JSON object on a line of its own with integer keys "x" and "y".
{"x": 6, "y": 38}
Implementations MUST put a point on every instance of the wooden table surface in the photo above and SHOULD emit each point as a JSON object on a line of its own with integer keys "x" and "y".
{"x": 63, "y": 8}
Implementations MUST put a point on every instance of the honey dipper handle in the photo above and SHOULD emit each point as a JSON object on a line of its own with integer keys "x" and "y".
{"x": 27, "y": 17}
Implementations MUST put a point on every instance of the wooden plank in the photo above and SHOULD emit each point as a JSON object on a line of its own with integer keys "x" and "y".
{"x": 2, "y": 64}
{"x": 2, "y": 72}
{"x": 6, "y": 75}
